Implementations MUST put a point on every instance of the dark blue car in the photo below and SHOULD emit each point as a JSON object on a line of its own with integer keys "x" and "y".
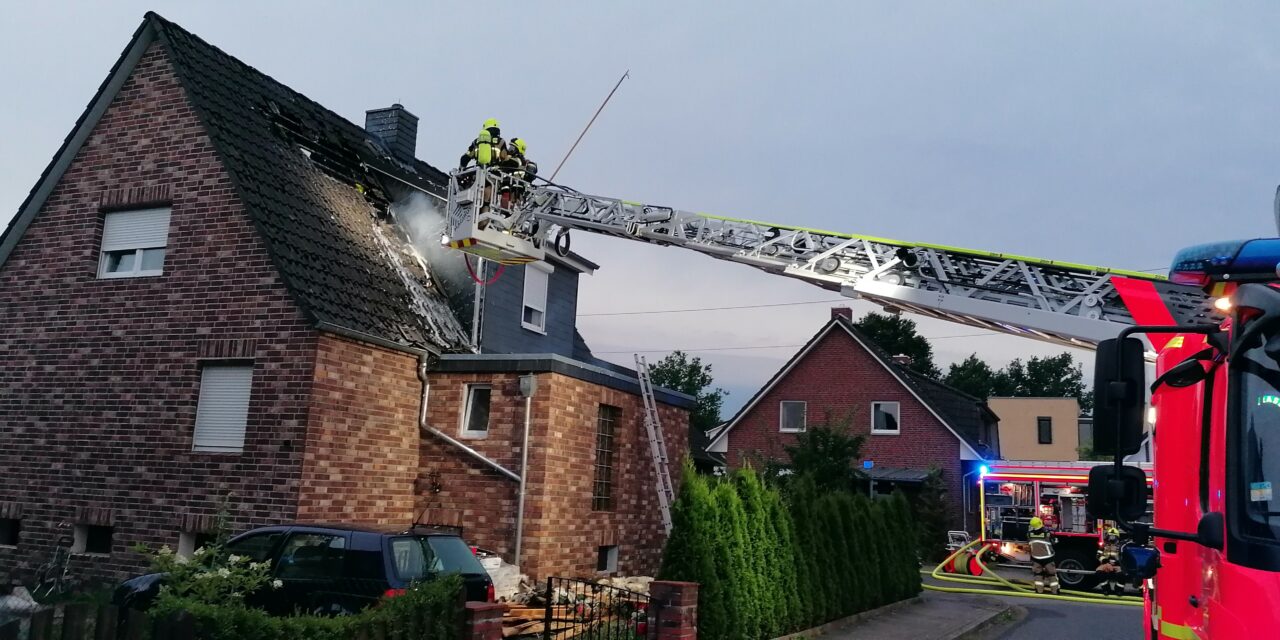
{"x": 338, "y": 569}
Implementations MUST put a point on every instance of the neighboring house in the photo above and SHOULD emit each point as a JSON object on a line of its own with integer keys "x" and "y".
{"x": 1038, "y": 428}
{"x": 911, "y": 424}
{"x": 212, "y": 291}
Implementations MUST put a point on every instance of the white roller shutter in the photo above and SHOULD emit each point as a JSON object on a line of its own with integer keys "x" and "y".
{"x": 223, "y": 409}
{"x": 142, "y": 229}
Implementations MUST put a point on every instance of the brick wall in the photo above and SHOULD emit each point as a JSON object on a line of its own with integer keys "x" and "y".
{"x": 562, "y": 532}
{"x": 362, "y": 435}
{"x": 840, "y": 377}
{"x": 454, "y": 488}
{"x": 100, "y": 377}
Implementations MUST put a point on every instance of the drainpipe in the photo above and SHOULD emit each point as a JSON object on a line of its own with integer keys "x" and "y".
{"x": 528, "y": 385}
{"x": 422, "y": 424}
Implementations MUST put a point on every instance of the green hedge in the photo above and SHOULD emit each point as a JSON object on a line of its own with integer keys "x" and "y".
{"x": 431, "y": 610}
{"x": 771, "y": 564}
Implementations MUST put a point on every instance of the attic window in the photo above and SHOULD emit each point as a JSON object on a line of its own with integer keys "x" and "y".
{"x": 134, "y": 243}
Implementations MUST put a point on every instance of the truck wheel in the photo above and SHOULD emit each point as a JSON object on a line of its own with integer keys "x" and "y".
{"x": 1077, "y": 560}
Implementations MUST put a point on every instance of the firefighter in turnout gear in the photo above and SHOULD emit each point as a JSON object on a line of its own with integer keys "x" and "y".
{"x": 518, "y": 172}
{"x": 1109, "y": 563}
{"x": 488, "y": 147}
{"x": 1044, "y": 568}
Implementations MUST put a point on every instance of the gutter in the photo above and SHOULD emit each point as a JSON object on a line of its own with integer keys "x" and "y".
{"x": 329, "y": 327}
{"x": 422, "y": 424}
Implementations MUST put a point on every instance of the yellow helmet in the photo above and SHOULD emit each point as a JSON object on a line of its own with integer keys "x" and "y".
{"x": 520, "y": 145}
{"x": 1036, "y": 523}
{"x": 491, "y": 123}
{"x": 1112, "y": 531}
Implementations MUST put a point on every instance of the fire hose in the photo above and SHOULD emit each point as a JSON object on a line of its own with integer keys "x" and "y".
{"x": 1012, "y": 588}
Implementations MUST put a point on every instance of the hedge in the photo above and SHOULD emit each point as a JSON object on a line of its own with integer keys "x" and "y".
{"x": 770, "y": 564}
{"x": 430, "y": 610}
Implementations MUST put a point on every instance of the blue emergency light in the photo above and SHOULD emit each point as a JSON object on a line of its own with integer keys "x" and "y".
{"x": 983, "y": 470}
{"x": 1237, "y": 261}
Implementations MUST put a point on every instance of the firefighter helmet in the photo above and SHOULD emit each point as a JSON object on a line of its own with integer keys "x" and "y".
{"x": 520, "y": 145}
{"x": 1036, "y": 522}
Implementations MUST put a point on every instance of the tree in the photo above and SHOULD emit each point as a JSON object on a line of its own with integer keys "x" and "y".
{"x": 679, "y": 372}
{"x": 898, "y": 336}
{"x": 931, "y": 517}
{"x": 827, "y": 454}
{"x": 691, "y": 552}
{"x": 1057, "y": 376}
{"x": 972, "y": 376}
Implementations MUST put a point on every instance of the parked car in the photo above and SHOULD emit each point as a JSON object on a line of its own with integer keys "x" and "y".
{"x": 338, "y": 569}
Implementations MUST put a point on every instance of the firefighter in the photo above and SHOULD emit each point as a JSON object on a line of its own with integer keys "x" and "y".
{"x": 488, "y": 147}
{"x": 1109, "y": 562}
{"x": 1044, "y": 569}
{"x": 518, "y": 172}
{"x": 488, "y": 150}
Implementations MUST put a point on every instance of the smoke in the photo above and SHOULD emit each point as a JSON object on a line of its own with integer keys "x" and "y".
{"x": 422, "y": 218}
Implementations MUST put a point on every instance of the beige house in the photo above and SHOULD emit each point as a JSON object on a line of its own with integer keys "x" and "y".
{"x": 1038, "y": 428}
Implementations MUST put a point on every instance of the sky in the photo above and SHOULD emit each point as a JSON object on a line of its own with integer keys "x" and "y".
{"x": 1096, "y": 132}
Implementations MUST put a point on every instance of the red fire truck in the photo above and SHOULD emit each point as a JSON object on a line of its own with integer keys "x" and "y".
{"x": 1010, "y": 493}
{"x": 1211, "y": 559}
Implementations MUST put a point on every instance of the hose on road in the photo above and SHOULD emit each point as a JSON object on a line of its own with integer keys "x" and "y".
{"x": 1013, "y": 589}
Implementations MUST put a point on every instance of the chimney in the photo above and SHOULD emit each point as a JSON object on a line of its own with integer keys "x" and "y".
{"x": 841, "y": 312}
{"x": 397, "y": 128}
{"x": 902, "y": 359}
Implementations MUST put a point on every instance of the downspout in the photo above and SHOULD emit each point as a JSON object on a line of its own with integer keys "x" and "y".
{"x": 528, "y": 384}
{"x": 422, "y": 424}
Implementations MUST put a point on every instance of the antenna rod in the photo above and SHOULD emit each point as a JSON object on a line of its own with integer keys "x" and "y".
{"x": 625, "y": 75}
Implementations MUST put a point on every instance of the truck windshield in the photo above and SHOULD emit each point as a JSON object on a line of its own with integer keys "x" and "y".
{"x": 1259, "y": 413}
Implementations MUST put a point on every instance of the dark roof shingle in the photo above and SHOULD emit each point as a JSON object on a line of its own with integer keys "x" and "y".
{"x": 316, "y": 187}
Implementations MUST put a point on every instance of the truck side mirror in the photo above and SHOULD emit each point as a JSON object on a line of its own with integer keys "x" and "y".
{"x": 1139, "y": 563}
{"x": 1115, "y": 495}
{"x": 1209, "y": 531}
{"x": 1119, "y": 389}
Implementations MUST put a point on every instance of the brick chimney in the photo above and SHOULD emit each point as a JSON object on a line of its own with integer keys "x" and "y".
{"x": 903, "y": 359}
{"x": 397, "y": 128}
{"x": 841, "y": 312}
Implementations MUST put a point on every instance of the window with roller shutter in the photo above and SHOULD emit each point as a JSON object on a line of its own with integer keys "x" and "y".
{"x": 133, "y": 243}
{"x": 223, "y": 408}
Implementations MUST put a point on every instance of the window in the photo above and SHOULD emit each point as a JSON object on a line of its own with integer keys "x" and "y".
{"x": 534, "y": 313}
{"x": 311, "y": 556}
{"x": 607, "y": 558}
{"x": 189, "y": 541}
{"x": 256, "y": 547}
{"x": 792, "y": 416}
{"x": 884, "y": 417}
{"x": 1044, "y": 429}
{"x": 9, "y": 530}
{"x": 475, "y": 414}
{"x": 133, "y": 243}
{"x": 602, "y": 488}
{"x": 91, "y": 538}
{"x": 223, "y": 409}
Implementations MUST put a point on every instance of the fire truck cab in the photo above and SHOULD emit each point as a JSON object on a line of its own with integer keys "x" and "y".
{"x": 1012, "y": 492}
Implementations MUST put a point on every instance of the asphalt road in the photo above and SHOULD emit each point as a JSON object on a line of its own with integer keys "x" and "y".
{"x": 1054, "y": 620}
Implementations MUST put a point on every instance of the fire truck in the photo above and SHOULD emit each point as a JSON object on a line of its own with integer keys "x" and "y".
{"x": 1209, "y": 560}
{"x": 1011, "y": 492}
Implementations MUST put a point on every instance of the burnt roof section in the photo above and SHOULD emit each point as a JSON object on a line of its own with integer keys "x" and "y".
{"x": 316, "y": 187}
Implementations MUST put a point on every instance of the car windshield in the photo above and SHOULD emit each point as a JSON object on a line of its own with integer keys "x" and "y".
{"x": 1259, "y": 413}
{"x": 419, "y": 557}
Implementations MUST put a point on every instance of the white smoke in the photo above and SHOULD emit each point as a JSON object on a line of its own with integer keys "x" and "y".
{"x": 423, "y": 219}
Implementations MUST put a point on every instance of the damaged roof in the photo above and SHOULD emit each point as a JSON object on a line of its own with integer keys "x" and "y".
{"x": 316, "y": 187}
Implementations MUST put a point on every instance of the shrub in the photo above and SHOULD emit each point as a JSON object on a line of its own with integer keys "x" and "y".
{"x": 741, "y": 606}
{"x": 691, "y": 551}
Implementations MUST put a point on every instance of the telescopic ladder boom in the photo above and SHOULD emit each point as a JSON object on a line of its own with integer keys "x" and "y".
{"x": 1059, "y": 302}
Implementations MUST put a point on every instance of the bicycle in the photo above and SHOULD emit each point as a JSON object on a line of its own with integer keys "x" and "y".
{"x": 54, "y": 577}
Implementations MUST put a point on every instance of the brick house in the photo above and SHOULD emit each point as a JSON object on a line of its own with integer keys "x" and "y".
{"x": 215, "y": 288}
{"x": 911, "y": 423}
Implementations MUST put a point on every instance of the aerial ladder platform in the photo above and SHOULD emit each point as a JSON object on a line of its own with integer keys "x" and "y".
{"x": 1063, "y": 303}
